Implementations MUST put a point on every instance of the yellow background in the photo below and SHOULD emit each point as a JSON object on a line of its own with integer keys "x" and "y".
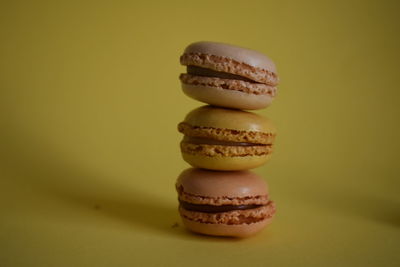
{"x": 90, "y": 100}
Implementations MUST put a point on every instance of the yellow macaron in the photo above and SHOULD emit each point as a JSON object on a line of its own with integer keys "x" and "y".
{"x": 226, "y": 139}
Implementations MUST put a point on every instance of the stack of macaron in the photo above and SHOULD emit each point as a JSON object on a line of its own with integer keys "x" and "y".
{"x": 219, "y": 196}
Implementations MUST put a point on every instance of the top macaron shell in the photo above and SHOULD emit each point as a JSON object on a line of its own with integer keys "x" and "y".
{"x": 240, "y": 78}
{"x": 239, "y": 54}
{"x": 215, "y": 117}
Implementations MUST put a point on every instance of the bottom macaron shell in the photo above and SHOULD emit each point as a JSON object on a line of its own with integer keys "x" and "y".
{"x": 227, "y": 98}
{"x": 225, "y": 163}
{"x": 241, "y": 230}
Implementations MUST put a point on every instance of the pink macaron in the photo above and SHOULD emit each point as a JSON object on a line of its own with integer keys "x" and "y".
{"x": 216, "y": 203}
{"x": 228, "y": 76}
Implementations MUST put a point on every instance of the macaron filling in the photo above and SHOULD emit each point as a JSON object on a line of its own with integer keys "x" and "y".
{"x": 209, "y": 141}
{"x": 215, "y": 209}
{"x": 231, "y": 217}
{"x": 204, "y": 72}
{"x": 262, "y": 74}
{"x": 227, "y": 135}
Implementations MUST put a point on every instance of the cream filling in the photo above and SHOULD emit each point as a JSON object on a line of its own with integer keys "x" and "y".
{"x": 209, "y": 141}
{"x": 204, "y": 72}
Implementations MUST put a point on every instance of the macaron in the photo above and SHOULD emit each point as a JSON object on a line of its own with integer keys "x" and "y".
{"x": 215, "y": 203}
{"x": 228, "y": 76}
{"x": 226, "y": 139}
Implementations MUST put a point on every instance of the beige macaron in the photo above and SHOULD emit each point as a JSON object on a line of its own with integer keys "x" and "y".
{"x": 226, "y": 139}
{"x": 228, "y": 76}
{"x": 233, "y": 204}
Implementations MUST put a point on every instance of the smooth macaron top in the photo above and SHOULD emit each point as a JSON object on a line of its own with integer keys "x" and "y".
{"x": 215, "y": 117}
{"x": 235, "y": 184}
{"x": 239, "y": 54}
